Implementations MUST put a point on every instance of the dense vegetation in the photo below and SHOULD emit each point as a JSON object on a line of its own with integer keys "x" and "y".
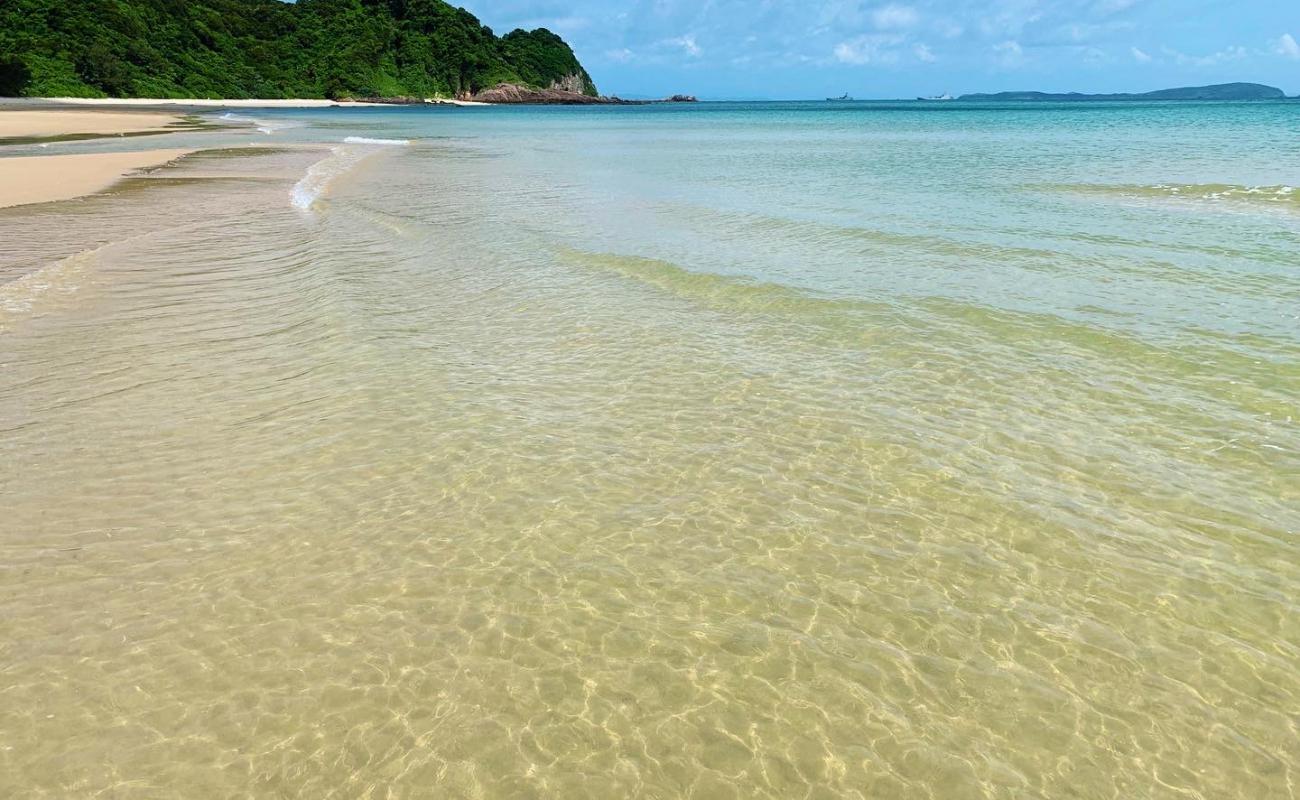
{"x": 267, "y": 48}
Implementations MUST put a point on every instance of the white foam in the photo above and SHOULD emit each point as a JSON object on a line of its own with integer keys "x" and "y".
{"x": 308, "y": 190}
{"x": 342, "y": 158}
{"x": 265, "y": 126}
{"x": 385, "y": 142}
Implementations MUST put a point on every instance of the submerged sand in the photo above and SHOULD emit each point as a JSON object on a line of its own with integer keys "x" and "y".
{"x": 42, "y": 179}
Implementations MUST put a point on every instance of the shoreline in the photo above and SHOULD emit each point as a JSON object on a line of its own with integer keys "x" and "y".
{"x": 44, "y": 178}
{"x": 196, "y": 102}
{"x": 29, "y": 180}
{"x": 31, "y": 177}
{"x": 26, "y": 123}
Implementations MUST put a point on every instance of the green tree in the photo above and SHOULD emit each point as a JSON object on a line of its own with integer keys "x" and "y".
{"x": 14, "y": 76}
{"x": 266, "y": 48}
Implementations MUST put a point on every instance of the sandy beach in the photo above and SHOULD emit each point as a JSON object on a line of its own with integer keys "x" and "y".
{"x": 24, "y": 123}
{"x": 146, "y": 102}
{"x": 120, "y": 103}
{"x": 27, "y": 179}
{"x": 43, "y": 179}
{"x": 195, "y": 102}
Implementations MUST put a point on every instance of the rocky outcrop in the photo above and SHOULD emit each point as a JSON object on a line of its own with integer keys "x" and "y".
{"x": 514, "y": 94}
{"x": 560, "y": 93}
{"x": 388, "y": 101}
{"x": 573, "y": 84}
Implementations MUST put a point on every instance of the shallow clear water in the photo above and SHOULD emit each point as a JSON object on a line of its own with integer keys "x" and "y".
{"x": 720, "y": 451}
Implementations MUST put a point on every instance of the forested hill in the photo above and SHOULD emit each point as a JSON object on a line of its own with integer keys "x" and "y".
{"x": 1219, "y": 91}
{"x": 268, "y": 49}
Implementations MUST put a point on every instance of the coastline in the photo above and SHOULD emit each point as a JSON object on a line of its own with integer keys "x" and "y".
{"x": 26, "y": 180}
{"x": 197, "y": 102}
{"x": 30, "y": 179}
{"x": 43, "y": 123}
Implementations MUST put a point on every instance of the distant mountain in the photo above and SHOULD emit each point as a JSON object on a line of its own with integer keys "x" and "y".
{"x": 270, "y": 49}
{"x": 1221, "y": 91}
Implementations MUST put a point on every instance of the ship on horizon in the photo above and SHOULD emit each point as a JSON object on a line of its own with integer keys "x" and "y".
{"x": 844, "y": 98}
{"x": 938, "y": 97}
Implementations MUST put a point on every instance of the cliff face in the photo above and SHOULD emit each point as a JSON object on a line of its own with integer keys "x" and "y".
{"x": 543, "y": 60}
{"x": 561, "y": 93}
{"x": 572, "y": 83}
{"x": 514, "y": 94}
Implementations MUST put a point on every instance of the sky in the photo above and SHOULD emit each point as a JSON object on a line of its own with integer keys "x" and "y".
{"x": 797, "y": 49}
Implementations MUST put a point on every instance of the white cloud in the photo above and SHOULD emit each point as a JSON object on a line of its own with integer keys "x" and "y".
{"x": 688, "y": 44}
{"x": 893, "y": 17}
{"x": 1114, "y": 6}
{"x": 1232, "y": 53}
{"x": 1094, "y": 55}
{"x": 1286, "y": 46}
{"x": 1009, "y": 53}
{"x": 840, "y": 15}
{"x": 958, "y": 35}
{"x": 869, "y": 49}
{"x": 570, "y": 24}
{"x": 1012, "y": 17}
{"x": 948, "y": 29}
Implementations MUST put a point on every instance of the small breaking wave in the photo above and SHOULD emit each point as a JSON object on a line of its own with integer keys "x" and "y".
{"x": 1285, "y": 195}
{"x": 342, "y": 159}
{"x": 55, "y": 282}
{"x": 265, "y": 126}
{"x": 1215, "y": 191}
{"x": 384, "y": 142}
{"x": 60, "y": 278}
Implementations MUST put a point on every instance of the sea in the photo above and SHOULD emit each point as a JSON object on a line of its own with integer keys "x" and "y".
{"x": 716, "y": 450}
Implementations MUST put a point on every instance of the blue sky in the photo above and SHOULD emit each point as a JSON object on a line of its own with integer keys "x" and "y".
{"x": 813, "y": 48}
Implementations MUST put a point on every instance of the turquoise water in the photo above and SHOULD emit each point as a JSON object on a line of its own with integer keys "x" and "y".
{"x": 1037, "y": 208}
{"x": 724, "y": 450}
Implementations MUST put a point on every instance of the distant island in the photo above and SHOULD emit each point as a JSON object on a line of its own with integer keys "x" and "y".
{"x": 236, "y": 49}
{"x": 1221, "y": 91}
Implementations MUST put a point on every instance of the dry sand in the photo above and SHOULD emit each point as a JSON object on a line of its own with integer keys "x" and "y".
{"x": 41, "y": 179}
{"x": 146, "y": 102}
{"x": 26, "y": 123}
